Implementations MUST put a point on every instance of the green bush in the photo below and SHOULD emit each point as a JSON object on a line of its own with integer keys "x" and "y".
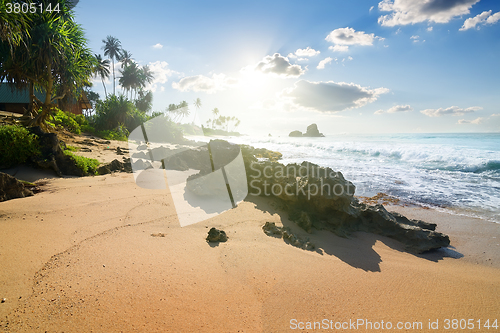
{"x": 88, "y": 129}
{"x": 17, "y": 144}
{"x": 70, "y": 121}
{"x": 87, "y": 165}
{"x": 112, "y": 135}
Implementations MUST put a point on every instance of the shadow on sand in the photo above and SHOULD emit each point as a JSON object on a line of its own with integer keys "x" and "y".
{"x": 356, "y": 250}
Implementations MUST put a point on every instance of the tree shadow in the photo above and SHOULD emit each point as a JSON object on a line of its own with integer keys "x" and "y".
{"x": 355, "y": 250}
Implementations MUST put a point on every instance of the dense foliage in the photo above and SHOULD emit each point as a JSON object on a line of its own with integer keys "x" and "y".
{"x": 17, "y": 144}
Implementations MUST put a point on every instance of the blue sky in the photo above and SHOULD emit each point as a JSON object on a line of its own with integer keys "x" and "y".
{"x": 350, "y": 66}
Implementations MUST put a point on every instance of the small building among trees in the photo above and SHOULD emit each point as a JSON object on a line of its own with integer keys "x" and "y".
{"x": 17, "y": 100}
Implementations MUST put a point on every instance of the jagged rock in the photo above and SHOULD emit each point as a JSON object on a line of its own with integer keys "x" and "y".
{"x": 216, "y": 235}
{"x": 320, "y": 198}
{"x": 115, "y": 166}
{"x": 11, "y": 188}
{"x": 312, "y": 131}
{"x": 296, "y": 134}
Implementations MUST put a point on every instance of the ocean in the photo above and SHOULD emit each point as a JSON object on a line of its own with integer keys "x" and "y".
{"x": 458, "y": 173}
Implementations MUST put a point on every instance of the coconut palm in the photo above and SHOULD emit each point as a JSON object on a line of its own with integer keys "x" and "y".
{"x": 102, "y": 70}
{"x": 125, "y": 58}
{"x": 197, "y": 105}
{"x": 130, "y": 77}
{"x": 112, "y": 49}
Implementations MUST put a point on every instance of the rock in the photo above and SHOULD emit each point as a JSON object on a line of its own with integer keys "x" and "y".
{"x": 216, "y": 235}
{"x": 312, "y": 131}
{"x": 121, "y": 151}
{"x": 11, "y": 188}
{"x": 115, "y": 166}
{"x": 271, "y": 229}
{"x": 321, "y": 198}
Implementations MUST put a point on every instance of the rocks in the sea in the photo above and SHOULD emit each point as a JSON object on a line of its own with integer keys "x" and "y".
{"x": 271, "y": 229}
{"x": 115, "y": 166}
{"x": 320, "y": 198}
{"x": 11, "y": 188}
{"x": 296, "y": 134}
{"x": 216, "y": 235}
{"x": 312, "y": 131}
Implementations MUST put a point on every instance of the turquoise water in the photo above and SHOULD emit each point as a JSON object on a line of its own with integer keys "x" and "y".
{"x": 456, "y": 172}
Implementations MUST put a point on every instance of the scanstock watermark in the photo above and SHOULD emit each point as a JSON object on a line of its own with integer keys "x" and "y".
{"x": 217, "y": 180}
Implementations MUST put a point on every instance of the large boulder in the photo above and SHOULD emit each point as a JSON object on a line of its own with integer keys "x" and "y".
{"x": 321, "y": 198}
{"x": 296, "y": 134}
{"x": 11, "y": 188}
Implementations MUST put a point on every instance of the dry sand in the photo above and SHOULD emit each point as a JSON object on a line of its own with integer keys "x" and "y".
{"x": 86, "y": 255}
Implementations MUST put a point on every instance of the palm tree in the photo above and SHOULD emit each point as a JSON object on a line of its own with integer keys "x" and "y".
{"x": 125, "y": 58}
{"x": 112, "y": 49}
{"x": 130, "y": 77}
{"x": 102, "y": 70}
{"x": 197, "y": 105}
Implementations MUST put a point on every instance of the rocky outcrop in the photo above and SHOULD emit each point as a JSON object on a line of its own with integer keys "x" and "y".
{"x": 321, "y": 198}
{"x": 312, "y": 131}
{"x": 11, "y": 188}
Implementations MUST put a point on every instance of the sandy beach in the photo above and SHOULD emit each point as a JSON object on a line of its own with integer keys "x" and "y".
{"x": 100, "y": 254}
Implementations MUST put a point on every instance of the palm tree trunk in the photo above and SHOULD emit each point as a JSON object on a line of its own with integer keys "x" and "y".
{"x": 113, "y": 76}
{"x": 105, "y": 93}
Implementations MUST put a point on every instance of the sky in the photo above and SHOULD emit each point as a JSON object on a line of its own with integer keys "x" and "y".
{"x": 391, "y": 66}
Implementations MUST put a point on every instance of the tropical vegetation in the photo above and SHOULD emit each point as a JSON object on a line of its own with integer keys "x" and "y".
{"x": 48, "y": 52}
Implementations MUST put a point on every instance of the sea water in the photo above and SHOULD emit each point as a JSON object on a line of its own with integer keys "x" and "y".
{"x": 455, "y": 172}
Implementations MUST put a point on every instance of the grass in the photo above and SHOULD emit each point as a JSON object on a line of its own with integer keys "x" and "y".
{"x": 86, "y": 164}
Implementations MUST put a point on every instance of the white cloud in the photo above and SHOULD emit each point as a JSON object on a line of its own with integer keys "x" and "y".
{"x": 158, "y": 46}
{"x": 348, "y": 36}
{"x": 405, "y": 12}
{"x": 371, "y": 8}
{"x": 415, "y": 37}
{"x": 430, "y": 29}
{"x": 453, "y": 110}
{"x": 279, "y": 66}
{"x": 397, "y": 108}
{"x": 307, "y": 52}
{"x": 203, "y": 83}
{"x": 339, "y": 48}
{"x": 329, "y": 96}
{"x": 323, "y": 62}
{"x": 475, "y": 121}
{"x": 480, "y": 19}
{"x": 161, "y": 73}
